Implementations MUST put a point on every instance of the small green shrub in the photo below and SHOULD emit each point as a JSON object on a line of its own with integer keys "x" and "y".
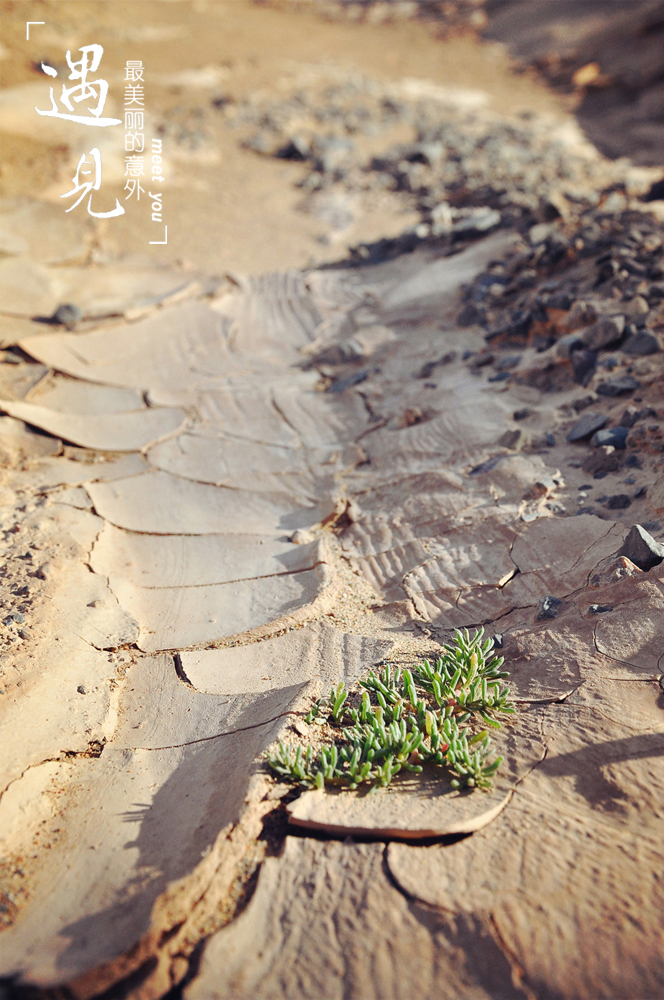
{"x": 429, "y": 715}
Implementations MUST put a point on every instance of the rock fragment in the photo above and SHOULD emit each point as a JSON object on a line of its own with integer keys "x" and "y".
{"x": 642, "y": 549}
{"x": 587, "y": 425}
{"x": 618, "y": 386}
{"x": 547, "y": 608}
{"x": 615, "y": 436}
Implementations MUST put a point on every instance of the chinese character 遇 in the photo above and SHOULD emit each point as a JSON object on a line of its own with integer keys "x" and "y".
{"x": 84, "y": 91}
{"x": 87, "y": 186}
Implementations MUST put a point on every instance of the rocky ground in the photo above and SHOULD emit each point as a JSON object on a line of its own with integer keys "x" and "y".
{"x": 426, "y": 395}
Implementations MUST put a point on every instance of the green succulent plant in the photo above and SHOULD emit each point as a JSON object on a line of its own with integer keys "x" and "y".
{"x": 408, "y": 719}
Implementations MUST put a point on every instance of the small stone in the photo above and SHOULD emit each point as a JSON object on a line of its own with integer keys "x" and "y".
{"x": 66, "y": 314}
{"x": 342, "y": 384}
{"x": 300, "y": 727}
{"x": 509, "y": 361}
{"x": 499, "y": 377}
{"x": 618, "y": 386}
{"x": 641, "y": 548}
{"x": 550, "y": 439}
{"x": 601, "y": 462}
{"x": 615, "y": 436}
{"x": 583, "y": 366}
{"x": 640, "y": 491}
{"x": 606, "y": 331}
{"x": 498, "y": 640}
{"x": 510, "y": 439}
{"x": 586, "y": 426}
{"x": 25, "y": 633}
{"x": 521, "y": 414}
{"x": 80, "y": 689}
{"x": 538, "y": 234}
{"x": 581, "y": 314}
{"x": 619, "y": 501}
{"x": 600, "y": 609}
{"x": 16, "y": 616}
{"x": 570, "y": 342}
{"x": 547, "y": 607}
{"x": 641, "y": 344}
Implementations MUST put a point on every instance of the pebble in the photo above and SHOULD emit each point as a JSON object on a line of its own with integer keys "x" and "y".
{"x": 66, "y": 314}
{"x": 618, "y": 386}
{"x": 600, "y": 609}
{"x": 619, "y": 501}
{"x": 583, "y": 365}
{"x": 641, "y": 548}
{"x": 615, "y": 436}
{"x": 586, "y": 426}
{"x": 16, "y": 616}
{"x": 642, "y": 344}
{"x": 342, "y": 384}
{"x": 547, "y": 607}
{"x": 606, "y": 331}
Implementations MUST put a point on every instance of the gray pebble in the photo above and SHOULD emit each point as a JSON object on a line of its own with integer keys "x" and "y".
{"x": 586, "y": 426}
{"x": 615, "y": 436}
{"x": 67, "y": 314}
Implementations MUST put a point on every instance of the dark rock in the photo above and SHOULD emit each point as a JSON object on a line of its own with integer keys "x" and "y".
{"x": 600, "y": 609}
{"x": 606, "y": 269}
{"x": 487, "y": 466}
{"x": 66, "y": 314}
{"x": 345, "y": 383}
{"x": 584, "y": 403}
{"x": 581, "y": 314}
{"x": 515, "y": 331}
{"x": 586, "y": 426}
{"x": 560, "y": 300}
{"x": 550, "y": 439}
{"x": 521, "y": 414}
{"x": 583, "y": 366}
{"x": 640, "y": 492}
{"x": 470, "y": 315}
{"x": 633, "y": 462}
{"x": 601, "y": 462}
{"x": 615, "y": 436}
{"x": 498, "y": 640}
{"x": 25, "y": 633}
{"x": 642, "y": 344}
{"x": 618, "y": 386}
{"x": 509, "y": 361}
{"x": 619, "y": 501}
{"x": 510, "y": 439}
{"x": 547, "y": 607}
{"x": 16, "y": 616}
{"x": 500, "y": 377}
{"x": 641, "y": 548}
{"x": 656, "y": 192}
{"x": 570, "y": 342}
{"x": 480, "y": 360}
{"x": 606, "y": 331}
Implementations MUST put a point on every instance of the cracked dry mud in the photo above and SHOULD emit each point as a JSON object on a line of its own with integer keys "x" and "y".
{"x": 239, "y": 492}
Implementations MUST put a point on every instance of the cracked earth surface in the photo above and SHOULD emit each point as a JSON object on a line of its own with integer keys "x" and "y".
{"x": 231, "y": 497}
